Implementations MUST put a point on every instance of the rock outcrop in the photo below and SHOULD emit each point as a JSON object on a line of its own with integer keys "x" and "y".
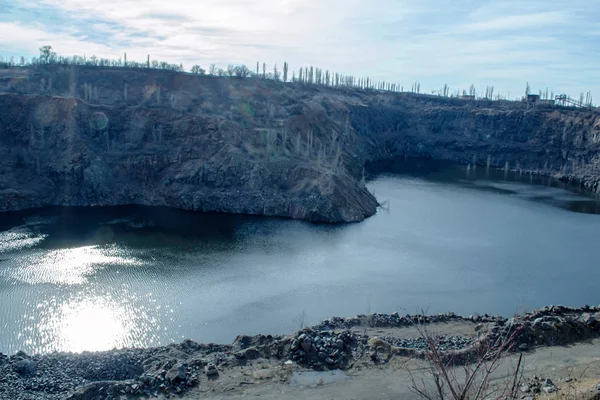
{"x": 89, "y": 136}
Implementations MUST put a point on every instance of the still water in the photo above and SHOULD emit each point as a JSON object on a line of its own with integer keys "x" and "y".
{"x": 90, "y": 279}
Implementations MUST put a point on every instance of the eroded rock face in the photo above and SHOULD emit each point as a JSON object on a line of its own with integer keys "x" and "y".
{"x": 100, "y": 137}
{"x": 551, "y": 141}
{"x": 193, "y": 163}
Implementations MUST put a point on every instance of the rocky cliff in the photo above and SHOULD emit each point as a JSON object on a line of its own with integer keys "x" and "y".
{"x": 94, "y": 137}
{"x": 552, "y": 141}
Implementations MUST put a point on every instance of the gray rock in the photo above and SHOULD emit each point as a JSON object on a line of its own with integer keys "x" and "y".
{"x": 25, "y": 367}
{"x": 295, "y": 345}
{"x": 182, "y": 372}
{"x": 550, "y": 389}
{"x": 211, "y": 370}
{"x": 177, "y": 373}
{"x": 549, "y": 386}
{"x": 251, "y": 353}
{"x": 306, "y": 344}
{"x": 523, "y": 346}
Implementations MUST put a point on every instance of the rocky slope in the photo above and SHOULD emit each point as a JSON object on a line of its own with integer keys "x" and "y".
{"x": 91, "y": 136}
{"x": 338, "y": 343}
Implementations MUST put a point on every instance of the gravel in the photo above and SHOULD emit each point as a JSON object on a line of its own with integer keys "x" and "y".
{"x": 330, "y": 345}
{"x": 445, "y": 343}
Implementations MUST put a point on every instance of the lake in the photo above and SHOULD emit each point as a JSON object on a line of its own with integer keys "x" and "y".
{"x": 77, "y": 279}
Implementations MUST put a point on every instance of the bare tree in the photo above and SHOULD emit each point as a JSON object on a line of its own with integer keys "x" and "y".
{"x": 196, "y": 69}
{"x": 230, "y": 70}
{"x": 47, "y": 56}
{"x": 471, "y": 378}
{"x": 472, "y": 90}
{"x": 416, "y": 88}
{"x": 241, "y": 71}
{"x": 588, "y": 99}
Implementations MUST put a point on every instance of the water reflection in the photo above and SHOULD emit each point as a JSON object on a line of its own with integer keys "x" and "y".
{"x": 90, "y": 321}
{"x": 532, "y": 186}
{"x": 18, "y": 238}
{"x": 92, "y": 325}
{"x": 94, "y": 279}
{"x": 70, "y": 266}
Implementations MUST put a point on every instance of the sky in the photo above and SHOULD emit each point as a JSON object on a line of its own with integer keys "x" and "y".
{"x": 504, "y": 43}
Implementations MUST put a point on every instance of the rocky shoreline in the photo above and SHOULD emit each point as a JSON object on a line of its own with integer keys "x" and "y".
{"x": 338, "y": 343}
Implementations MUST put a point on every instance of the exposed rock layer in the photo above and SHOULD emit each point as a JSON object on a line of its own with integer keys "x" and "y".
{"x": 85, "y": 136}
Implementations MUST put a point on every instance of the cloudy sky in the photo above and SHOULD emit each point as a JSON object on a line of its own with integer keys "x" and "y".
{"x": 505, "y": 43}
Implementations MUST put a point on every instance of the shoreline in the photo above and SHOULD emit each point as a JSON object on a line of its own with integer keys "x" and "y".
{"x": 333, "y": 344}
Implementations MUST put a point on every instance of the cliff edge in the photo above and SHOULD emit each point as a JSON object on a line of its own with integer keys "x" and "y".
{"x": 90, "y": 136}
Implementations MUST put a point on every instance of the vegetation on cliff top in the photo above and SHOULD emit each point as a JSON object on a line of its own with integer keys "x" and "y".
{"x": 306, "y": 75}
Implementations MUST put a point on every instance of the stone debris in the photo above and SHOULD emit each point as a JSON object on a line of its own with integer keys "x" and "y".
{"x": 549, "y": 386}
{"x": 322, "y": 349}
{"x": 173, "y": 369}
{"x": 211, "y": 370}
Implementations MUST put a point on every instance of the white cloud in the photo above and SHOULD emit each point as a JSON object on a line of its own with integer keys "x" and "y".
{"x": 30, "y": 38}
{"x": 515, "y": 22}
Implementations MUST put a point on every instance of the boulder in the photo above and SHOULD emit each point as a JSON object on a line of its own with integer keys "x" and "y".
{"x": 211, "y": 370}
{"x": 177, "y": 373}
{"x": 306, "y": 344}
{"x": 25, "y": 367}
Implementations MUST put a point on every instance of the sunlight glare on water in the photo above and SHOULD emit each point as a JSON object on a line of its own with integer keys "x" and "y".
{"x": 93, "y": 325}
{"x": 18, "y": 238}
{"x": 69, "y": 266}
{"x": 97, "y": 279}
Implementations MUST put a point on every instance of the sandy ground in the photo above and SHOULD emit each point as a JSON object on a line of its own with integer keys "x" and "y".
{"x": 575, "y": 369}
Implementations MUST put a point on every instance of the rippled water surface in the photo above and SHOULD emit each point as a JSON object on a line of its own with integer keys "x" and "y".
{"x": 94, "y": 279}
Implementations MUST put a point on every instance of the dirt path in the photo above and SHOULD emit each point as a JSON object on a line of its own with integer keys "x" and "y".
{"x": 579, "y": 362}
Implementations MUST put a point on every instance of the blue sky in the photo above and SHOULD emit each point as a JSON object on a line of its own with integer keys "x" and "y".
{"x": 504, "y": 43}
